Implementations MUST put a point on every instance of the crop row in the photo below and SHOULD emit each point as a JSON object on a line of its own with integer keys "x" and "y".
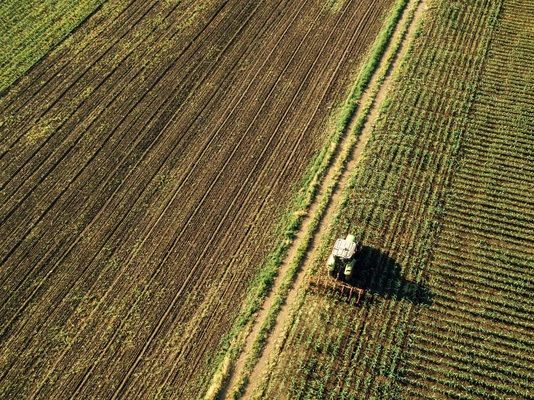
{"x": 476, "y": 343}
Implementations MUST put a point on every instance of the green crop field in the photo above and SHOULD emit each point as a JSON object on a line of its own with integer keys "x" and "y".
{"x": 443, "y": 203}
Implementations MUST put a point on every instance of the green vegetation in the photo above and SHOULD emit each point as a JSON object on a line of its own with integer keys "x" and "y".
{"x": 335, "y": 5}
{"x": 476, "y": 339}
{"x": 29, "y": 29}
{"x": 440, "y": 202}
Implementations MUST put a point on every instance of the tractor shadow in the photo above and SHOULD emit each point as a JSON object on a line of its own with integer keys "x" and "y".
{"x": 380, "y": 274}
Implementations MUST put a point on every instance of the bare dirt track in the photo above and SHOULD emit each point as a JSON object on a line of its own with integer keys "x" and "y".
{"x": 143, "y": 165}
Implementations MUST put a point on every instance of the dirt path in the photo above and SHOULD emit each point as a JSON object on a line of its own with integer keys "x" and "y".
{"x": 350, "y": 153}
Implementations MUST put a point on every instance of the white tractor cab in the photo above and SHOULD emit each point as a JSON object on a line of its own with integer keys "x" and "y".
{"x": 341, "y": 263}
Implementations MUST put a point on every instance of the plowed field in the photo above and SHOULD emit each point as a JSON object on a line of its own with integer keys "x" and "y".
{"x": 144, "y": 164}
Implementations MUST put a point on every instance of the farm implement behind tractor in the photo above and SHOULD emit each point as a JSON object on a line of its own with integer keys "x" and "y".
{"x": 325, "y": 284}
{"x": 341, "y": 267}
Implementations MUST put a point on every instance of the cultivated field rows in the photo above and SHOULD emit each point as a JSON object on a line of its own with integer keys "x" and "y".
{"x": 30, "y": 29}
{"x": 143, "y": 171}
{"x": 484, "y": 255}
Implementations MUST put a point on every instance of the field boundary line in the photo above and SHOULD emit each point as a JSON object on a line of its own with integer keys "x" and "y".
{"x": 247, "y": 354}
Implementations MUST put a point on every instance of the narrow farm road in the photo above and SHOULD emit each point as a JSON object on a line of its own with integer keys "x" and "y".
{"x": 247, "y": 374}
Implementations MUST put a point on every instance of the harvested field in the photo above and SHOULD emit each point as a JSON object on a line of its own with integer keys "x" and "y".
{"x": 442, "y": 202}
{"x": 144, "y": 165}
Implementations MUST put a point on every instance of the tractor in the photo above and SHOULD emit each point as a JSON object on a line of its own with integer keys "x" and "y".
{"x": 341, "y": 266}
{"x": 342, "y": 262}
